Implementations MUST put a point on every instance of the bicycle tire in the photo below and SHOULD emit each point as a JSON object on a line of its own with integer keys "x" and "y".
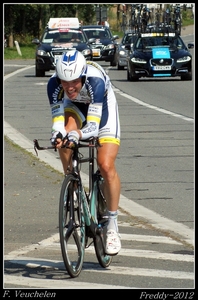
{"x": 103, "y": 259}
{"x": 71, "y": 226}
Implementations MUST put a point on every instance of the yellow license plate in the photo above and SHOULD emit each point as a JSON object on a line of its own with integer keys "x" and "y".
{"x": 96, "y": 52}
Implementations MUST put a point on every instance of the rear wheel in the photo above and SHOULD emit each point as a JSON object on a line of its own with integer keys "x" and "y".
{"x": 71, "y": 227}
{"x": 99, "y": 241}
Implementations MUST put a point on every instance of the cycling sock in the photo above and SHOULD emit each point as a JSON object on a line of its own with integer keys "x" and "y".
{"x": 113, "y": 215}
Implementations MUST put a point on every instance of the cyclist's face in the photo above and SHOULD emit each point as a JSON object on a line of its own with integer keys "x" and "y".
{"x": 72, "y": 88}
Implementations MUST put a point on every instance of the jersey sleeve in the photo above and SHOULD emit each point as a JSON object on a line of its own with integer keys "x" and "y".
{"x": 97, "y": 92}
{"x": 93, "y": 121}
{"x": 55, "y": 95}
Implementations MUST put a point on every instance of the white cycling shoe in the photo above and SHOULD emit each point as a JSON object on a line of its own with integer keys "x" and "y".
{"x": 113, "y": 244}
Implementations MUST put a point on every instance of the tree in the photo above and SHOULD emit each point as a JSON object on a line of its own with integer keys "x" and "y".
{"x": 27, "y": 21}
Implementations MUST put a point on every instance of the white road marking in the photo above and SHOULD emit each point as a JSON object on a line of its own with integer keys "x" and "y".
{"x": 56, "y": 284}
{"x": 147, "y": 272}
{"x": 164, "y": 111}
{"x": 16, "y": 72}
{"x": 112, "y": 269}
{"x": 53, "y": 243}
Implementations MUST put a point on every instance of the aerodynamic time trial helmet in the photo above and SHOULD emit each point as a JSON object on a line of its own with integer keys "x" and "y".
{"x": 71, "y": 65}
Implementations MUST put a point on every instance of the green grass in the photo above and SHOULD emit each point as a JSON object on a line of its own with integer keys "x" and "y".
{"x": 28, "y": 52}
{"x": 188, "y": 22}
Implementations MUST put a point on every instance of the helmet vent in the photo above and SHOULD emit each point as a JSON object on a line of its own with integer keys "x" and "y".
{"x": 73, "y": 65}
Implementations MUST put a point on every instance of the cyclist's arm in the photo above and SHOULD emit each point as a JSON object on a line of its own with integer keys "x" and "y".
{"x": 93, "y": 121}
{"x": 55, "y": 94}
{"x": 96, "y": 88}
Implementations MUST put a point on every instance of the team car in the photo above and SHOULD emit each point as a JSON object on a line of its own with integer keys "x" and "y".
{"x": 102, "y": 41}
{"x": 121, "y": 53}
{"x": 61, "y": 35}
{"x": 160, "y": 53}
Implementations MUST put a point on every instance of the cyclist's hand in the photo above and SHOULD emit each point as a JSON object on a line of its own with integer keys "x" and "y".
{"x": 57, "y": 139}
{"x": 72, "y": 138}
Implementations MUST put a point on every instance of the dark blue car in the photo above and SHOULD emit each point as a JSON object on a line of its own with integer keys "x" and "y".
{"x": 54, "y": 42}
{"x": 159, "y": 54}
{"x": 103, "y": 43}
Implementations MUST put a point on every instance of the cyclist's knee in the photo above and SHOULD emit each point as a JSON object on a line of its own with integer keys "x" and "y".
{"x": 105, "y": 165}
{"x": 107, "y": 170}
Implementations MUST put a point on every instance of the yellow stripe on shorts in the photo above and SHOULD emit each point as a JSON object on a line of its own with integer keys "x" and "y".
{"x": 59, "y": 118}
{"x": 109, "y": 140}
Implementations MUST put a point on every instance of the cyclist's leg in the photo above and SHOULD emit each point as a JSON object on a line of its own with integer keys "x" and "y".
{"x": 106, "y": 161}
{"x": 109, "y": 137}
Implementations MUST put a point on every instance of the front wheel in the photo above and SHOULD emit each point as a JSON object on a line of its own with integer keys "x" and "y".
{"x": 71, "y": 226}
{"x": 39, "y": 73}
{"x": 186, "y": 77}
{"x": 131, "y": 77}
{"x": 113, "y": 63}
{"x": 120, "y": 67}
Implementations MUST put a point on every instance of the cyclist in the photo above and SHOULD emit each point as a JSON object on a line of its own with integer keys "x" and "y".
{"x": 83, "y": 104}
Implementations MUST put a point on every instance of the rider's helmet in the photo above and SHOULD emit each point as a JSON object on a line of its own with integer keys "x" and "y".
{"x": 71, "y": 65}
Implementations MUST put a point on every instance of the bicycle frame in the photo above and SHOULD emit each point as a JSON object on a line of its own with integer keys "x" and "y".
{"x": 88, "y": 198}
{"x": 82, "y": 214}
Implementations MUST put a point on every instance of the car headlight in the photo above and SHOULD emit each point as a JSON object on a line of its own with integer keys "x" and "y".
{"x": 86, "y": 52}
{"x": 43, "y": 53}
{"x": 184, "y": 59}
{"x": 138, "y": 60}
{"x": 122, "y": 52}
{"x": 110, "y": 46}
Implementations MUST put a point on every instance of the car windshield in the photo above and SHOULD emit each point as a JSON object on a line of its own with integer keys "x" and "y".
{"x": 97, "y": 33}
{"x": 61, "y": 36}
{"x": 159, "y": 41}
{"x": 128, "y": 39}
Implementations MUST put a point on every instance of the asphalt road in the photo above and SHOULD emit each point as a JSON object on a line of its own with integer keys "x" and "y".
{"x": 31, "y": 194}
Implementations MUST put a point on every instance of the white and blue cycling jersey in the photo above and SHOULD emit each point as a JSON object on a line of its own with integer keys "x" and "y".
{"x": 95, "y": 106}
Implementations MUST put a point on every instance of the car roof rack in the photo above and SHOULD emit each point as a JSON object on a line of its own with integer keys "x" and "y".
{"x": 160, "y": 28}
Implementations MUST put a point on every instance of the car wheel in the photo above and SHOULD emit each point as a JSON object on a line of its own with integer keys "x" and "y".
{"x": 39, "y": 73}
{"x": 186, "y": 77}
{"x": 113, "y": 63}
{"x": 130, "y": 77}
{"x": 120, "y": 67}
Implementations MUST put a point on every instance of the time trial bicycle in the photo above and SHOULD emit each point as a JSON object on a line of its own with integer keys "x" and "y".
{"x": 83, "y": 214}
